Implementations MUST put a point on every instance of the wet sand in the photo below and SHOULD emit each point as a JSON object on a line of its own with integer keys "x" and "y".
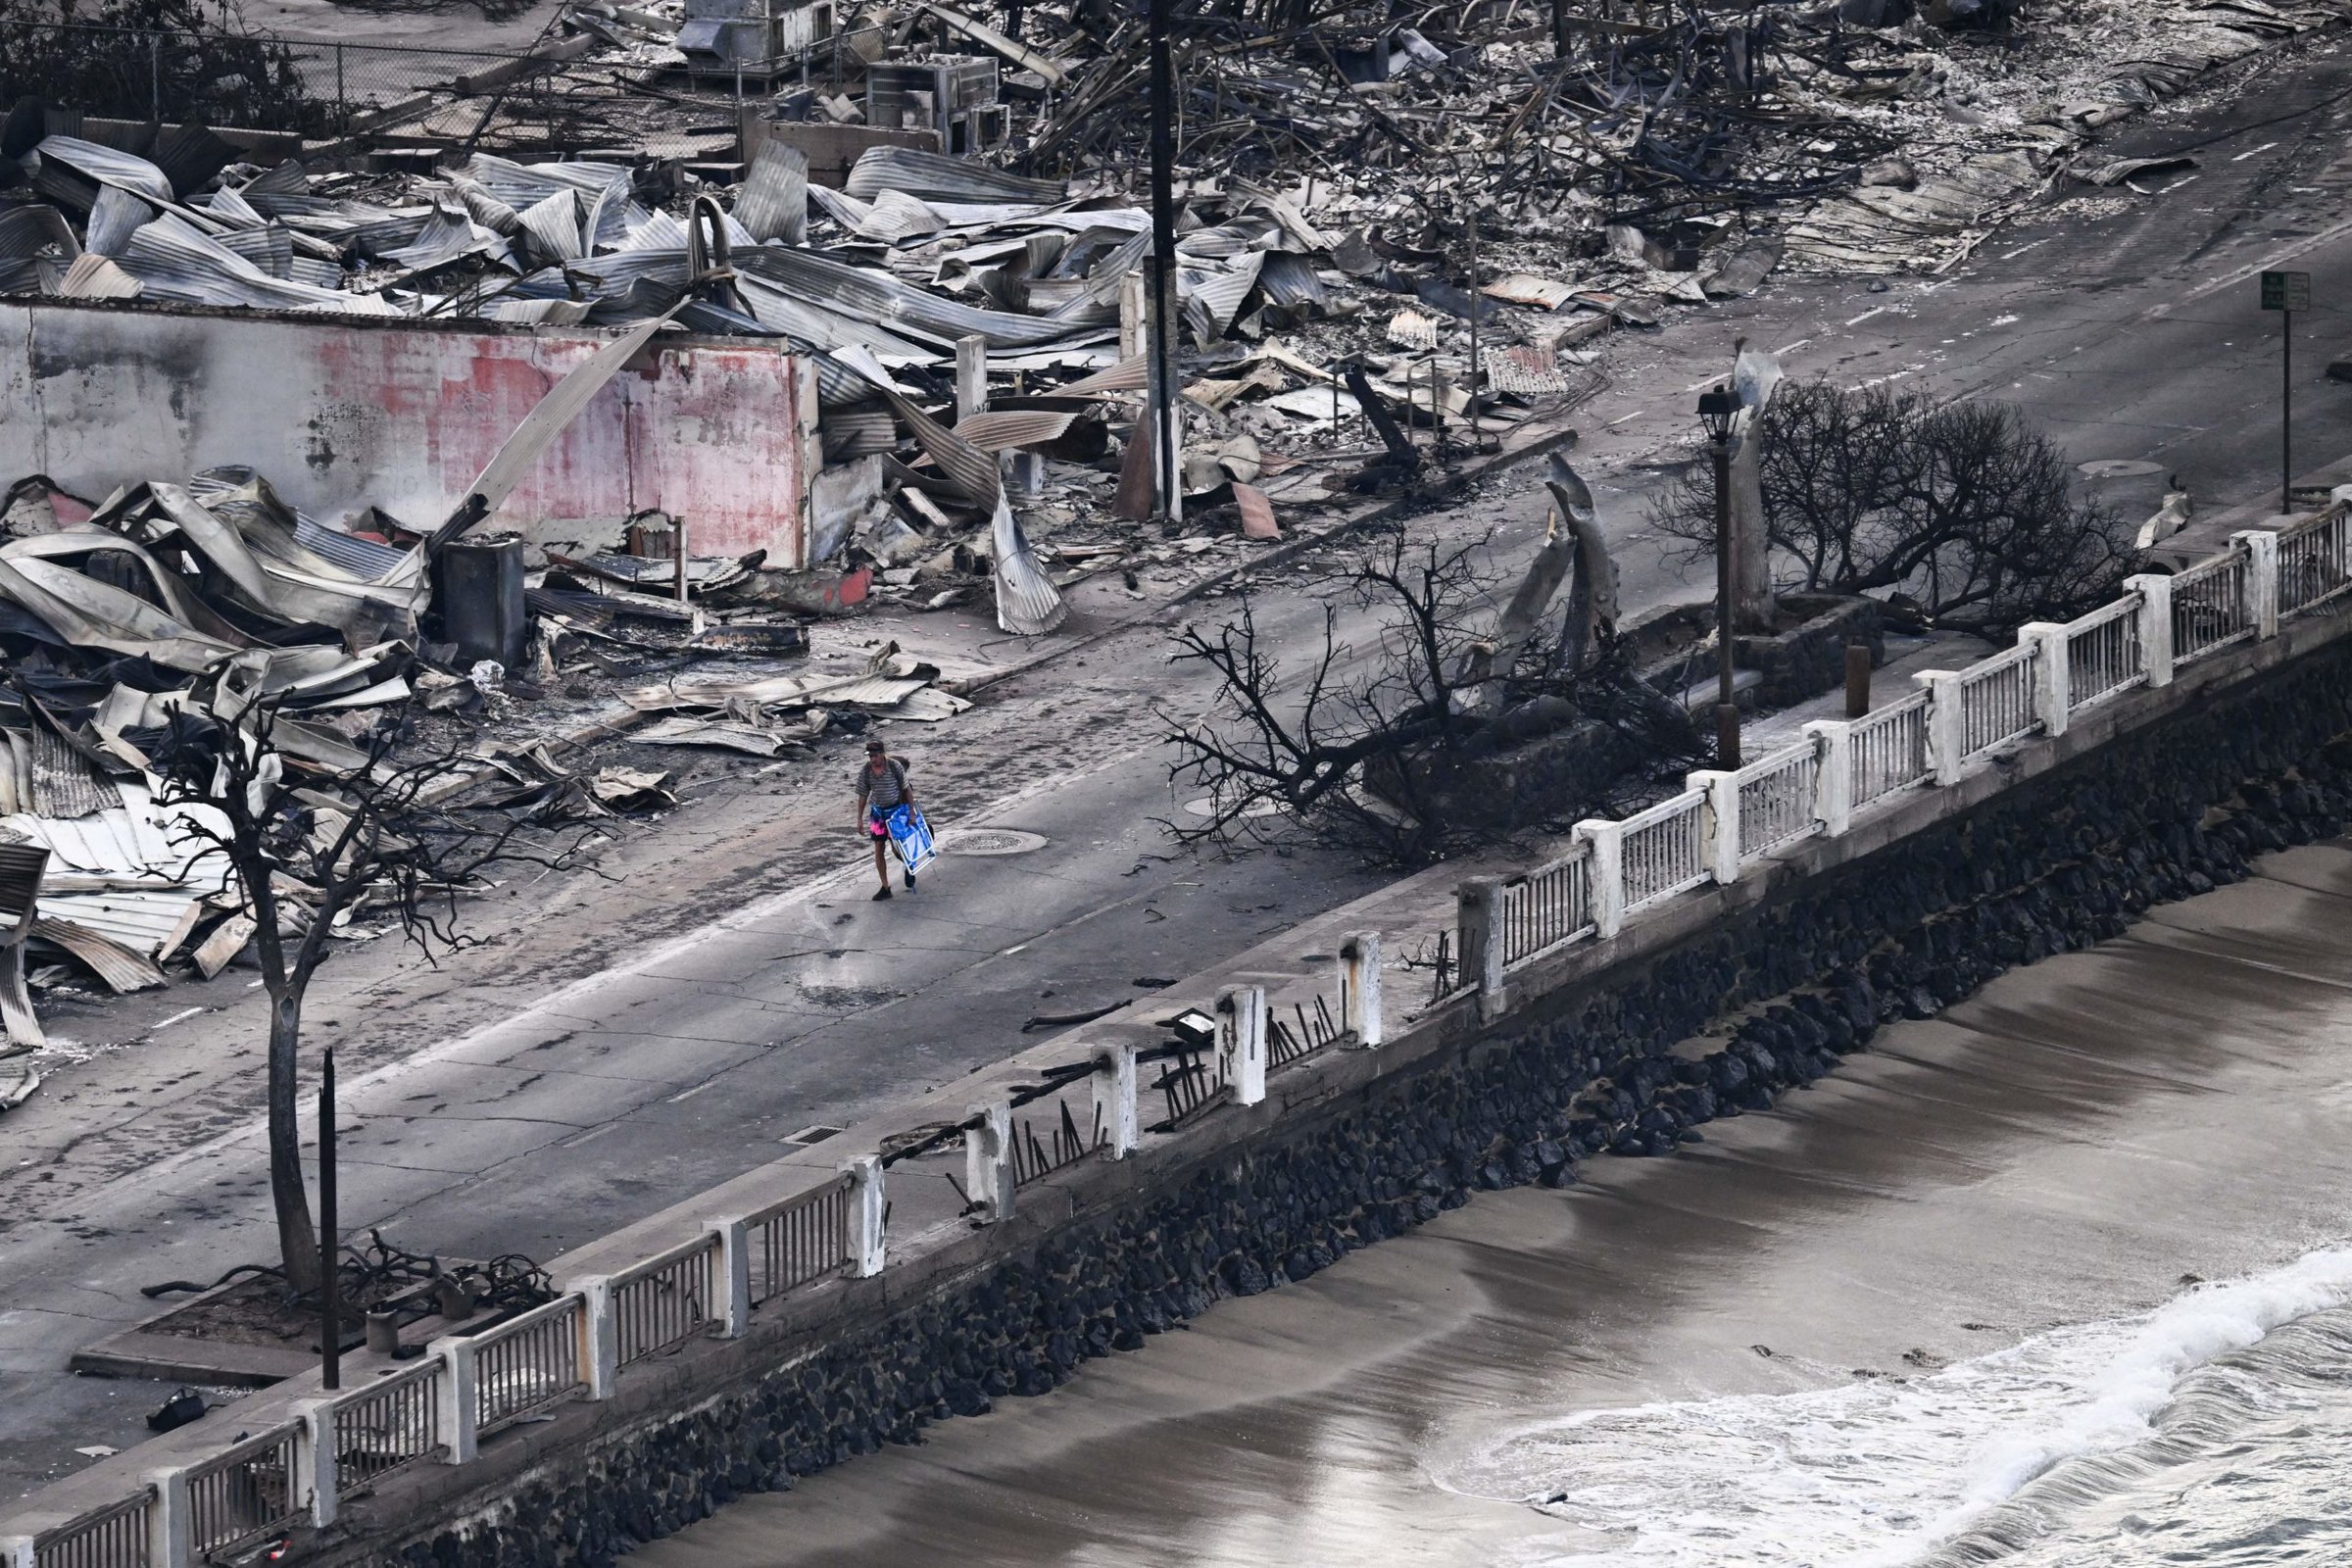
{"x": 2066, "y": 1146}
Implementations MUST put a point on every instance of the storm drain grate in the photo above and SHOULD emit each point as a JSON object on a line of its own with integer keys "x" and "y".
{"x": 992, "y": 841}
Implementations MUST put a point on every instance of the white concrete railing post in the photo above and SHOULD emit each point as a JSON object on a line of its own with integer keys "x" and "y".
{"x": 732, "y": 1283}
{"x": 456, "y": 1396}
{"x": 1478, "y": 932}
{"x": 2261, "y": 580}
{"x": 1946, "y": 737}
{"x": 15, "y": 1551}
{"x": 1833, "y": 775}
{"x": 315, "y": 1453}
{"x": 2053, "y": 675}
{"x": 1606, "y": 869}
{"x": 1359, "y": 987}
{"x": 866, "y": 1208}
{"x": 599, "y": 1336}
{"x": 2155, "y": 591}
{"x": 170, "y": 1541}
{"x": 988, "y": 1161}
{"x": 1719, "y": 823}
{"x": 1115, "y": 1098}
{"x": 1242, "y": 1039}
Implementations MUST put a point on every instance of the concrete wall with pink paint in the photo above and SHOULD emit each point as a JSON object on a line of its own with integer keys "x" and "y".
{"x": 341, "y": 413}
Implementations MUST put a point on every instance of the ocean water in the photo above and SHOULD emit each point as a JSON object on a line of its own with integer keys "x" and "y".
{"x": 2215, "y": 1431}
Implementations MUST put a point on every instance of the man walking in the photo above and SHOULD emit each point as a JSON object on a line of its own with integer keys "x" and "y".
{"x": 882, "y": 788}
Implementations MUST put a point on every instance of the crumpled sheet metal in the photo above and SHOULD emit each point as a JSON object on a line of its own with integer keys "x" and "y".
{"x": 1028, "y": 605}
{"x": 934, "y": 176}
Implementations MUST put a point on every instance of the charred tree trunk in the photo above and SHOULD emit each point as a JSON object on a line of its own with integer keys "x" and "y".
{"x": 297, "y": 1239}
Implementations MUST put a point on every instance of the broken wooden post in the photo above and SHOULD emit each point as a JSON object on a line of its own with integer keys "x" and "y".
{"x": 971, "y": 375}
{"x": 677, "y": 540}
{"x": 1857, "y": 679}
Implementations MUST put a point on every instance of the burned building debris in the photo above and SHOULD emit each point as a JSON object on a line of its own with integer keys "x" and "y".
{"x": 1399, "y": 242}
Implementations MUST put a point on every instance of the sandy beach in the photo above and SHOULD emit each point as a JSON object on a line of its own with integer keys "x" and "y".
{"x": 2070, "y": 1146}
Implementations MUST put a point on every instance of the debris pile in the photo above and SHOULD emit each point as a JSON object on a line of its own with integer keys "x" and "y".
{"x": 171, "y": 611}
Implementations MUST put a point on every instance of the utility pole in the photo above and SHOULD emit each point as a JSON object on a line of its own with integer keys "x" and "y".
{"x": 2286, "y": 293}
{"x": 1715, "y": 411}
{"x": 331, "y": 1283}
{"x": 1161, "y": 405}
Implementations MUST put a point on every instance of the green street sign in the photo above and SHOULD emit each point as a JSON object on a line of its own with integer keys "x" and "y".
{"x": 2286, "y": 291}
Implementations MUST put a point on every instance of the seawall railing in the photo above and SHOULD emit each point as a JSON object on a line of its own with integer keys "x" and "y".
{"x": 793, "y": 1228}
{"x": 1724, "y": 822}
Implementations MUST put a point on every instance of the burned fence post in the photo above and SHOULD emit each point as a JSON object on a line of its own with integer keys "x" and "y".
{"x": 1719, "y": 823}
{"x": 1833, "y": 776}
{"x": 1857, "y": 679}
{"x": 1948, "y": 736}
{"x": 988, "y": 1178}
{"x": 2155, "y": 591}
{"x": 1607, "y": 873}
{"x": 868, "y": 1217}
{"x": 1114, "y": 1082}
{"x": 1359, "y": 988}
{"x": 2261, "y": 580}
{"x": 1242, "y": 1042}
{"x": 2052, "y": 699}
{"x": 1167, "y": 471}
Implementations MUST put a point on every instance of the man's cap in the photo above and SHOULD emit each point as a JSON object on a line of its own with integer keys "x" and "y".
{"x": 873, "y": 745}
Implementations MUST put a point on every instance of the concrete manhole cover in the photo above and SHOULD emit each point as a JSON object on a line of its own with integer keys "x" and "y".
{"x": 1206, "y": 806}
{"x": 2117, "y": 468}
{"x": 992, "y": 841}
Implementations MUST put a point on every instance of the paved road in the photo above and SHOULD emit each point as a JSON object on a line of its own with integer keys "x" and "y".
{"x": 767, "y": 995}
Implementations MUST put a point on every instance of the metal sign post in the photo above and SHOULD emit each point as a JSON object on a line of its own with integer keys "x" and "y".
{"x": 2286, "y": 293}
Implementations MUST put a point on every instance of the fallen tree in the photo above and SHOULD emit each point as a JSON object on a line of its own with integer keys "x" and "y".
{"x": 1394, "y": 745}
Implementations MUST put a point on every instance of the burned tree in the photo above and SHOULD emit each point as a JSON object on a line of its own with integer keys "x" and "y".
{"x": 1396, "y": 739}
{"x": 312, "y": 829}
{"x": 1962, "y": 507}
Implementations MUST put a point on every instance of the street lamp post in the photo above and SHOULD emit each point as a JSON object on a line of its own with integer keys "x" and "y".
{"x": 1715, "y": 410}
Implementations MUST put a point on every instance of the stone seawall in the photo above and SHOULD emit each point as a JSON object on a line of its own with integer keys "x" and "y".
{"x": 1784, "y": 986}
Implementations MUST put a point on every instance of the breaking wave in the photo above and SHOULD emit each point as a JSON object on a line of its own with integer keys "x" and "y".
{"x": 2216, "y": 1430}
